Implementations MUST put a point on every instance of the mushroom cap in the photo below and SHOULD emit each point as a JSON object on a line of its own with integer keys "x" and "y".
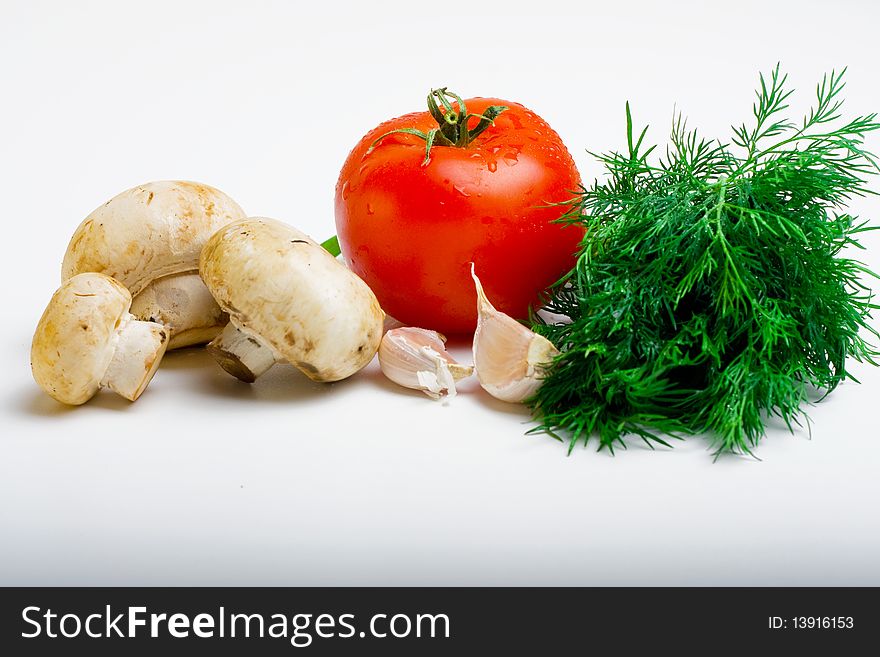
{"x": 74, "y": 340}
{"x": 278, "y": 283}
{"x": 150, "y": 231}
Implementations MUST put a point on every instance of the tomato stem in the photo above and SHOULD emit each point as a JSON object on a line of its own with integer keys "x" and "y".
{"x": 452, "y": 122}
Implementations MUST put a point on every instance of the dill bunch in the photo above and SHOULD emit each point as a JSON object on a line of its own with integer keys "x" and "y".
{"x": 711, "y": 292}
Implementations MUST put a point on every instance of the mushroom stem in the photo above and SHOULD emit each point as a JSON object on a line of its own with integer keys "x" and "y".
{"x": 244, "y": 355}
{"x": 183, "y": 304}
{"x": 139, "y": 349}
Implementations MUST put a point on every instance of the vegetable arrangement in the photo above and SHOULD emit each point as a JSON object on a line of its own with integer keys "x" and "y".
{"x": 706, "y": 289}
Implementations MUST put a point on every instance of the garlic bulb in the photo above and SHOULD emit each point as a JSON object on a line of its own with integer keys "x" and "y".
{"x": 509, "y": 358}
{"x": 417, "y": 358}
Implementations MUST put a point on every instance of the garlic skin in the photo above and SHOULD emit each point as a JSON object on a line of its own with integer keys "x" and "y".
{"x": 510, "y": 359}
{"x": 417, "y": 358}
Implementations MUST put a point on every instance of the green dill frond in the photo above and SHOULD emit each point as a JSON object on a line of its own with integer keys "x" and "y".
{"x": 713, "y": 289}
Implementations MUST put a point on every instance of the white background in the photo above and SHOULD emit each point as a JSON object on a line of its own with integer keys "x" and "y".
{"x": 209, "y": 481}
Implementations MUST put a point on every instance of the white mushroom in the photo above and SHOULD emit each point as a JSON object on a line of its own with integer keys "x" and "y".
{"x": 149, "y": 238}
{"x": 288, "y": 300}
{"x": 87, "y": 339}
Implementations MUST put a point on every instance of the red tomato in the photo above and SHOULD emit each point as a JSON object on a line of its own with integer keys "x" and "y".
{"x": 410, "y": 230}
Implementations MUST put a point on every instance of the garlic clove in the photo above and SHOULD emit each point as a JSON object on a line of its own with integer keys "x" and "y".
{"x": 510, "y": 360}
{"x": 417, "y": 358}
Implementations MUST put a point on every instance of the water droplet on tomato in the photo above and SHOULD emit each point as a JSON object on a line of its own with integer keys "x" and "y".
{"x": 493, "y": 166}
{"x": 370, "y": 209}
{"x": 510, "y": 159}
{"x": 460, "y": 191}
{"x": 495, "y": 149}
